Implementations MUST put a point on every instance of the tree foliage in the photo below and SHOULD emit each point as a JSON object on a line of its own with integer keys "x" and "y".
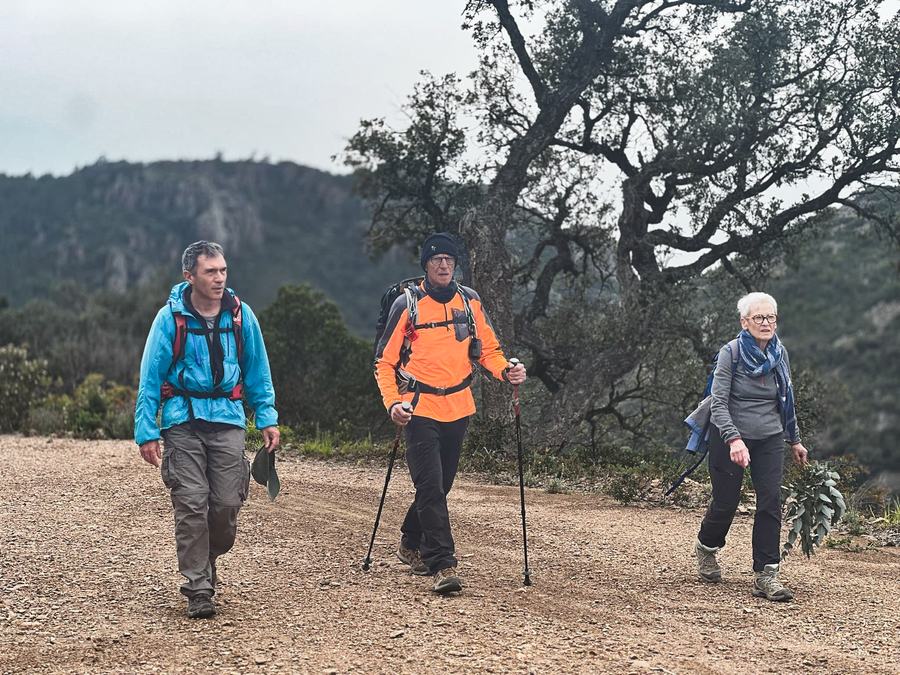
{"x": 322, "y": 373}
{"x": 22, "y": 382}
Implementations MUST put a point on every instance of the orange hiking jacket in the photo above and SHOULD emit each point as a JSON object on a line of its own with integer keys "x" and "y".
{"x": 439, "y": 356}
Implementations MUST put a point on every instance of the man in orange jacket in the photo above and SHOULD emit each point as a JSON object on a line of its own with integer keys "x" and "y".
{"x": 427, "y": 361}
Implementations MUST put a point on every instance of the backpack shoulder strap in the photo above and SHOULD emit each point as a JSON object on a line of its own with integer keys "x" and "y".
{"x": 470, "y": 315}
{"x": 180, "y": 338}
{"x": 237, "y": 324}
{"x": 412, "y": 303}
{"x": 735, "y": 348}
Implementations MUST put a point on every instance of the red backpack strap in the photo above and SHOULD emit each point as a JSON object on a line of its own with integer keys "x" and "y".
{"x": 237, "y": 321}
{"x": 180, "y": 339}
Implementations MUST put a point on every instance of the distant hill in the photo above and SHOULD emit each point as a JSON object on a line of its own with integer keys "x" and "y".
{"x": 115, "y": 226}
{"x": 839, "y": 307}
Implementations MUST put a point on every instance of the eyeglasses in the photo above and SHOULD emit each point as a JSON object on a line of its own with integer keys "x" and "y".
{"x": 438, "y": 260}
{"x": 760, "y": 319}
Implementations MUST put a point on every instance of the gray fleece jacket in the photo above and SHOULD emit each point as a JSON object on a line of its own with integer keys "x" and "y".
{"x": 744, "y": 406}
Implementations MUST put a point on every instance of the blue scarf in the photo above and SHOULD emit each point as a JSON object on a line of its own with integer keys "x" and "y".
{"x": 759, "y": 363}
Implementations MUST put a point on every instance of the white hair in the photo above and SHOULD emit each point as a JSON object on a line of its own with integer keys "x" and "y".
{"x": 746, "y": 303}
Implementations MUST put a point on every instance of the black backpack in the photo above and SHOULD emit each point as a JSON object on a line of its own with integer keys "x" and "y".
{"x": 409, "y": 288}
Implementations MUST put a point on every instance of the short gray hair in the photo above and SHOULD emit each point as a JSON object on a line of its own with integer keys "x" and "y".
{"x": 210, "y": 249}
{"x": 746, "y": 303}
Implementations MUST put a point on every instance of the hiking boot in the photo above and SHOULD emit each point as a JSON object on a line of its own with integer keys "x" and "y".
{"x": 766, "y": 585}
{"x": 446, "y": 581}
{"x": 707, "y": 566}
{"x": 412, "y": 558}
{"x": 200, "y": 606}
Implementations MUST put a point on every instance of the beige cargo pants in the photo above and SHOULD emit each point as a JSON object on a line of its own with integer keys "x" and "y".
{"x": 208, "y": 478}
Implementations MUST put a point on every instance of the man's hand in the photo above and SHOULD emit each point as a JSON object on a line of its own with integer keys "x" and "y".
{"x": 516, "y": 374}
{"x": 739, "y": 452}
{"x": 400, "y": 414}
{"x": 151, "y": 453}
{"x": 801, "y": 455}
{"x": 271, "y": 437}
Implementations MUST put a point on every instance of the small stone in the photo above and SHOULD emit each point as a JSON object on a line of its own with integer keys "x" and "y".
{"x": 397, "y": 633}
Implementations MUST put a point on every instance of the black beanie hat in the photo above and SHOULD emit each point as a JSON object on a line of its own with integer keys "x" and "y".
{"x": 435, "y": 244}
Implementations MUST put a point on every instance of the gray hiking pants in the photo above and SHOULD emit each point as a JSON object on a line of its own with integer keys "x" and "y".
{"x": 208, "y": 478}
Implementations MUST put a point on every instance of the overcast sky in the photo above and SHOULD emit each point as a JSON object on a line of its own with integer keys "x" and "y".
{"x": 171, "y": 79}
{"x": 144, "y": 80}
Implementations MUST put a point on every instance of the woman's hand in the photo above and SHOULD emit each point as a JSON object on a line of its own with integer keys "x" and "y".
{"x": 740, "y": 453}
{"x": 801, "y": 455}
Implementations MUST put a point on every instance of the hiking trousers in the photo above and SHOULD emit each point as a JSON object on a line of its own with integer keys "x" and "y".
{"x": 432, "y": 455}
{"x": 208, "y": 478}
{"x": 766, "y": 469}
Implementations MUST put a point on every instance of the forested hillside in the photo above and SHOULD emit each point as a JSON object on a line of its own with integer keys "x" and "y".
{"x": 839, "y": 301}
{"x": 116, "y": 226}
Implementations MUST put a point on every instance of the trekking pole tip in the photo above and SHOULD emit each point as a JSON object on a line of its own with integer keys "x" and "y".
{"x": 527, "y": 581}
{"x": 367, "y": 563}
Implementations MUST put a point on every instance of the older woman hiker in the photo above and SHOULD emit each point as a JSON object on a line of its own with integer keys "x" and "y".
{"x": 752, "y": 414}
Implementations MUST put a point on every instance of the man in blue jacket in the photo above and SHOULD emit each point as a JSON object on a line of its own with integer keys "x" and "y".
{"x": 204, "y": 353}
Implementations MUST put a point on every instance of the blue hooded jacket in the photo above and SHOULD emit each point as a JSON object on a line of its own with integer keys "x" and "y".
{"x": 195, "y": 368}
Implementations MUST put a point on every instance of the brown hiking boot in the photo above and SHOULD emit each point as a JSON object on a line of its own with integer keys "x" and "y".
{"x": 446, "y": 581}
{"x": 200, "y": 606}
{"x": 766, "y": 585}
{"x": 707, "y": 566}
{"x": 412, "y": 558}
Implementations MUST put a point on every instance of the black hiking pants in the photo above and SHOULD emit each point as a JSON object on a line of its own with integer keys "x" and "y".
{"x": 432, "y": 455}
{"x": 766, "y": 468}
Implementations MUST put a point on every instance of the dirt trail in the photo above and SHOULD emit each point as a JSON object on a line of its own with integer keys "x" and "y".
{"x": 88, "y": 583}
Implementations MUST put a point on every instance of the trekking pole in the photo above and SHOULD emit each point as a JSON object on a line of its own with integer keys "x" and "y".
{"x": 527, "y": 573}
{"x": 367, "y": 563}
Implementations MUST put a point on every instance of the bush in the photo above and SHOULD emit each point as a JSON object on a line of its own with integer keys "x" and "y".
{"x": 102, "y": 409}
{"x": 97, "y": 409}
{"x": 23, "y": 381}
{"x": 630, "y": 484}
{"x": 322, "y": 373}
{"x": 50, "y": 416}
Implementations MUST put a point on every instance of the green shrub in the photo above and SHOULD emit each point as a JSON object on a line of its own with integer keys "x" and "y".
{"x": 23, "y": 382}
{"x": 892, "y": 513}
{"x": 555, "y": 486}
{"x": 322, "y": 373}
{"x": 629, "y": 484}
{"x": 50, "y": 416}
{"x": 254, "y": 438}
{"x": 813, "y": 505}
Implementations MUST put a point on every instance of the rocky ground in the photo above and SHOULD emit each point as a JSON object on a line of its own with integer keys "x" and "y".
{"x": 88, "y": 583}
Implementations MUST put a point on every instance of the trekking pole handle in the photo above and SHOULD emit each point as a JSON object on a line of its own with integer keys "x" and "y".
{"x": 515, "y": 362}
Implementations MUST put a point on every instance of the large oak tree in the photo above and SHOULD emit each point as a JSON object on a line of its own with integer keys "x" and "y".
{"x": 607, "y": 152}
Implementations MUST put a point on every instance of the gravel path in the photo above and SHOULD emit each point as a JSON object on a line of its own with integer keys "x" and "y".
{"x": 88, "y": 583}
